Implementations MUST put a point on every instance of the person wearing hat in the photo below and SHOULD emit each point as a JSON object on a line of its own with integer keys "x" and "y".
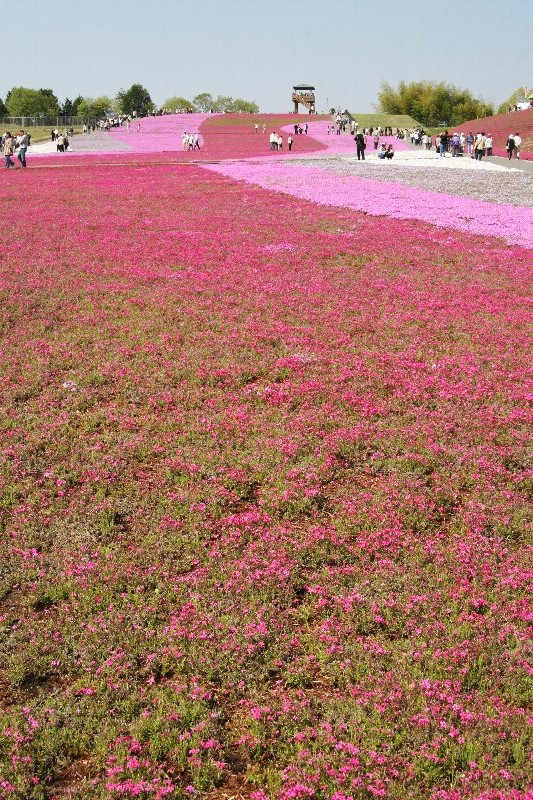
{"x": 360, "y": 143}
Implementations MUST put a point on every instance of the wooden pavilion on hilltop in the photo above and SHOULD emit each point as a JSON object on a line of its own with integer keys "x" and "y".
{"x": 305, "y": 95}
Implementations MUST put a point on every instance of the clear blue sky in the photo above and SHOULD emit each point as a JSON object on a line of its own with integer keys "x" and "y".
{"x": 258, "y": 50}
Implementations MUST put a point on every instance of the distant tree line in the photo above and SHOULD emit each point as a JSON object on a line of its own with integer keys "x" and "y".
{"x": 23, "y": 102}
{"x": 205, "y": 102}
{"x": 431, "y": 103}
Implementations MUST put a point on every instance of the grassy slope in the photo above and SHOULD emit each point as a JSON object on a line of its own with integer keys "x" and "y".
{"x": 393, "y": 120}
{"x": 275, "y": 120}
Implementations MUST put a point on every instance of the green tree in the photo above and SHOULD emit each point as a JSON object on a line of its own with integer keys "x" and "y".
{"x": 95, "y": 106}
{"x": 67, "y": 108}
{"x": 432, "y": 103}
{"x": 203, "y": 102}
{"x": 515, "y": 97}
{"x": 137, "y": 99}
{"x": 84, "y": 107}
{"x": 245, "y": 106}
{"x": 75, "y": 104}
{"x": 222, "y": 103}
{"x": 178, "y": 104}
{"x": 24, "y": 102}
{"x": 3, "y": 108}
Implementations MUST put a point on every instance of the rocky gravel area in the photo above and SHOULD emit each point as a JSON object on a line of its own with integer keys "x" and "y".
{"x": 456, "y": 176}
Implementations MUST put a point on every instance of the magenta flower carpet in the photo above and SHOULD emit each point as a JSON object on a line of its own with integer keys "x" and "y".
{"x": 392, "y": 200}
{"x": 515, "y": 225}
{"x": 265, "y": 478}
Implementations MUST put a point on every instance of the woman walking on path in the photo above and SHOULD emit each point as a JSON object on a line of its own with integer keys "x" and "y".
{"x": 509, "y": 146}
{"x": 8, "y": 149}
{"x": 479, "y": 146}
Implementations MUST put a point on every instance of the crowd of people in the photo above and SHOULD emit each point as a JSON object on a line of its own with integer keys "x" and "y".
{"x": 476, "y": 145}
{"x": 190, "y": 141}
{"x": 276, "y": 141}
{"x": 15, "y": 144}
{"x": 512, "y": 146}
{"x": 61, "y": 139}
{"x": 344, "y": 125}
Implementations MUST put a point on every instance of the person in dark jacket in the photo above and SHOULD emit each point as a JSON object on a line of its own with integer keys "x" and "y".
{"x": 360, "y": 145}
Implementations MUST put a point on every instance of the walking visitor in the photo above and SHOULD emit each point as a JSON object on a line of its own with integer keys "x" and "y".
{"x": 22, "y": 144}
{"x": 8, "y": 150}
{"x": 479, "y": 146}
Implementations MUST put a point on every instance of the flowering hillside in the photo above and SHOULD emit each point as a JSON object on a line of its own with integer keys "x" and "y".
{"x": 265, "y": 490}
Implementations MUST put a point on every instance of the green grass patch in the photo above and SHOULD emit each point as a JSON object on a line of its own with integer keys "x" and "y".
{"x": 391, "y": 120}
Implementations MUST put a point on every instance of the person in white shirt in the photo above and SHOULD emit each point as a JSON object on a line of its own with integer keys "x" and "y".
{"x": 517, "y": 143}
{"x": 488, "y": 145}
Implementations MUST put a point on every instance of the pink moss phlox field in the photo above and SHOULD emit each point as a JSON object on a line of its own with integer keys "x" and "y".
{"x": 159, "y": 134}
{"x": 344, "y": 143}
{"x": 231, "y": 136}
{"x": 512, "y": 223}
{"x": 265, "y": 496}
{"x": 226, "y": 136}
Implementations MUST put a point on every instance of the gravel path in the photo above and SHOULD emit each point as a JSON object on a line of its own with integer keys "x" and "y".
{"x": 97, "y": 142}
{"x": 456, "y": 176}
